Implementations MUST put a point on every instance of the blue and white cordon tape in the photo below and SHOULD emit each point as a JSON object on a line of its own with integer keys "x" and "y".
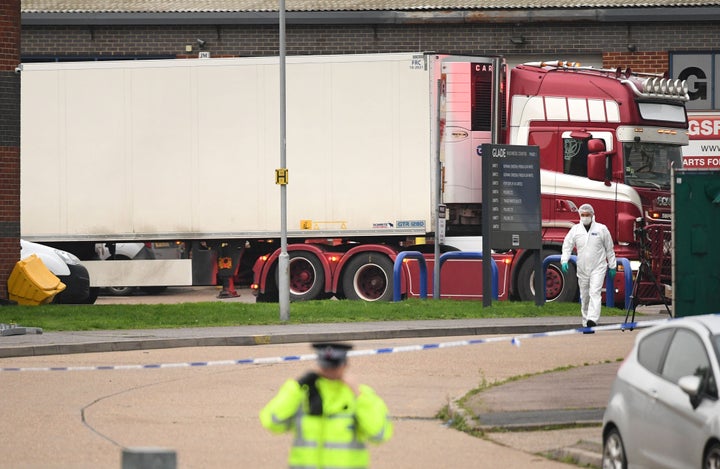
{"x": 514, "y": 340}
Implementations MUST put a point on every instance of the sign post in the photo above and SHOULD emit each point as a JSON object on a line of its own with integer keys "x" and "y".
{"x": 512, "y": 217}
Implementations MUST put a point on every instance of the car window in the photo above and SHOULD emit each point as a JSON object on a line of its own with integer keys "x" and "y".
{"x": 651, "y": 349}
{"x": 686, "y": 356}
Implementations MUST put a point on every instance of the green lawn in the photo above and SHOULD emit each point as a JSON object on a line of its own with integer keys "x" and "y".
{"x": 209, "y": 314}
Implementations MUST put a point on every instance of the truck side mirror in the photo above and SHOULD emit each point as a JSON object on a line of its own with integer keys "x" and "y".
{"x": 598, "y": 163}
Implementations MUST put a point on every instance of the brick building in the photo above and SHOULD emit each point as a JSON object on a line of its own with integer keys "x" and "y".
{"x": 9, "y": 140}
{"x": 646, "y": 36}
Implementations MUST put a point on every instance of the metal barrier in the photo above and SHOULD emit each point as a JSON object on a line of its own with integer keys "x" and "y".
{"x": 655, "y": 249}
{"x": 397, "y": 294}
{"x": 609, "y": 282}
{"x": 472, "y": 255}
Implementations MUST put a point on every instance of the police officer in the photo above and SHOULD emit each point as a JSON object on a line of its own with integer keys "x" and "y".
{"x": 594, "y": 255}
{"x": 330, "y": 416}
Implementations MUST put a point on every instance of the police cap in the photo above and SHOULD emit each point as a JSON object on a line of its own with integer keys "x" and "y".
{"x": 331, "y": 355}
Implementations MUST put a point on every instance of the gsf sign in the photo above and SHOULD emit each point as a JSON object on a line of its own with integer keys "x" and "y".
{"x": 702, "y": 72}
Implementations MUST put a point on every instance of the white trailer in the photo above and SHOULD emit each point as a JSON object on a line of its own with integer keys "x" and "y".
{"x": 186, "y": 150}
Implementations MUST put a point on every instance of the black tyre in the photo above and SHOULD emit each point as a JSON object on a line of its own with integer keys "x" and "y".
{"x": 307, "y": 276}
{"x": 119, "y": 291}
{"x": 92, "y": 297}
{"x": 559, "y": 286}
{"x": 271, "y": 294}
{"x": 369, "y": 277}
{"x": 267, "y": 297}
{"x": 711, "y": 459}
{"x": 613, "y": 455}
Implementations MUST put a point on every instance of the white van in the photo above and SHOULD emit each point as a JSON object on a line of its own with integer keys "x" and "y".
{"x": 68, "y": 268}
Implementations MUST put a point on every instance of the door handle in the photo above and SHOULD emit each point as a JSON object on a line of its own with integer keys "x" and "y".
{"x": 564, "y": 205}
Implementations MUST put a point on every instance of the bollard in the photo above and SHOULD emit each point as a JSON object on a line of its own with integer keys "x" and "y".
{"x": 148, "y": 458}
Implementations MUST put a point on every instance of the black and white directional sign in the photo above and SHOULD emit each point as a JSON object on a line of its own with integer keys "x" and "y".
{"x": 511, "y": 195}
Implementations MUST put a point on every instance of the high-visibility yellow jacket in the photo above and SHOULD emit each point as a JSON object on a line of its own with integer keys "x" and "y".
{"x": 335, "y": 439}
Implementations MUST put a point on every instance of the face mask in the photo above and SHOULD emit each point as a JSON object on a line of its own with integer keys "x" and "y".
{"x": 586, "y": 220}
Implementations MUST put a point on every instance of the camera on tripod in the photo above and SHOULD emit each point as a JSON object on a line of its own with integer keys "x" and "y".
{"x": 640, "y": 228}
{"x": 642, "y": 239}
{"x": 641, "y": 236}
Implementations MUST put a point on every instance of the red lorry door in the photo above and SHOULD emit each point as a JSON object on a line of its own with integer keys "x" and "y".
{"x": 550, "y": 161}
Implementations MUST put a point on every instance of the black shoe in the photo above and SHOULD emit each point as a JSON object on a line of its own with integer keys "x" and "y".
{"x": 228, "y": 294}
{"x": 588, "y": 329}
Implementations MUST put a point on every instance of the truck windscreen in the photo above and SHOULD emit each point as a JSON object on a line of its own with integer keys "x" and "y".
{"x": 648, "y": 164}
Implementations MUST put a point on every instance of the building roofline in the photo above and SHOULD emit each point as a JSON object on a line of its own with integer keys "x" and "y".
{"x": 601, "y": 15}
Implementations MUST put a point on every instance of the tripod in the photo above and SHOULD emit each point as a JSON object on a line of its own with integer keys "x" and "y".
{"x": 645, "y": 272}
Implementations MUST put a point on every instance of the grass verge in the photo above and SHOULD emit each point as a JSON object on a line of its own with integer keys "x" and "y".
{"x": 208, "y": 314}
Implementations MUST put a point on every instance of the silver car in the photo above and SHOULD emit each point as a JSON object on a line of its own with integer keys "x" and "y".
{"x": 663, "y": 409}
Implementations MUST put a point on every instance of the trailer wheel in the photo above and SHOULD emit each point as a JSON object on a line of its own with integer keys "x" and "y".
{"x": 271, "y": 294}
{"x": 369, "y": 277}
{"x": 558, "y": 286}
{"x": 307, "y": 276}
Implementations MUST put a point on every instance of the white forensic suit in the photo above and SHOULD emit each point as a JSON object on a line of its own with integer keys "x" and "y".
{"x": 595, "y": 254}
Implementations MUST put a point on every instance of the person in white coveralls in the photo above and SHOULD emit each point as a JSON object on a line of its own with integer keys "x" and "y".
{"x": 595, "y": 254}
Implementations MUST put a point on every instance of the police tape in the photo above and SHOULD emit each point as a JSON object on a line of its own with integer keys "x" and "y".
{"x": 513, "y": 340}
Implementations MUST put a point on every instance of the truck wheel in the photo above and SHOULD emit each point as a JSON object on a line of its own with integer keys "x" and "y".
{"x": 307, "y": 276}
{"x": 267, "y": 297}
{"x": 558, "y": 286}
{"x": 368, "y": 277}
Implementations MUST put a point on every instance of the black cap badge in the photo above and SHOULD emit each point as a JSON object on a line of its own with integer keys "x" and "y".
{"x": 331, "y": 355}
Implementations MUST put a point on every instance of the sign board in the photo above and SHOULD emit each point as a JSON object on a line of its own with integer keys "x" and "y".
{"x": 511, "y": 194}
{"x": 703, "y": 151}
{"x": 701, "y": 71}
{"x": 442, "y": 224}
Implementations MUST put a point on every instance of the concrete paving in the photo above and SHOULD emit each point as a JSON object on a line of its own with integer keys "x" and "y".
{"x": 53, "y": 343}
{"x": 504, "y": 412}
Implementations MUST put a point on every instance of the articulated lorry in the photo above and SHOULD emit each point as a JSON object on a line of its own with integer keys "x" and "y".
{"x": 186, "y": 152}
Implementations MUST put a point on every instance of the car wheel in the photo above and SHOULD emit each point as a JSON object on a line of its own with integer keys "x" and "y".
{"x": 119, "y": 291}
{"x": 613, "y": 455}
{"x": 92, "y": 296}
{"x": 711, "y": 460}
